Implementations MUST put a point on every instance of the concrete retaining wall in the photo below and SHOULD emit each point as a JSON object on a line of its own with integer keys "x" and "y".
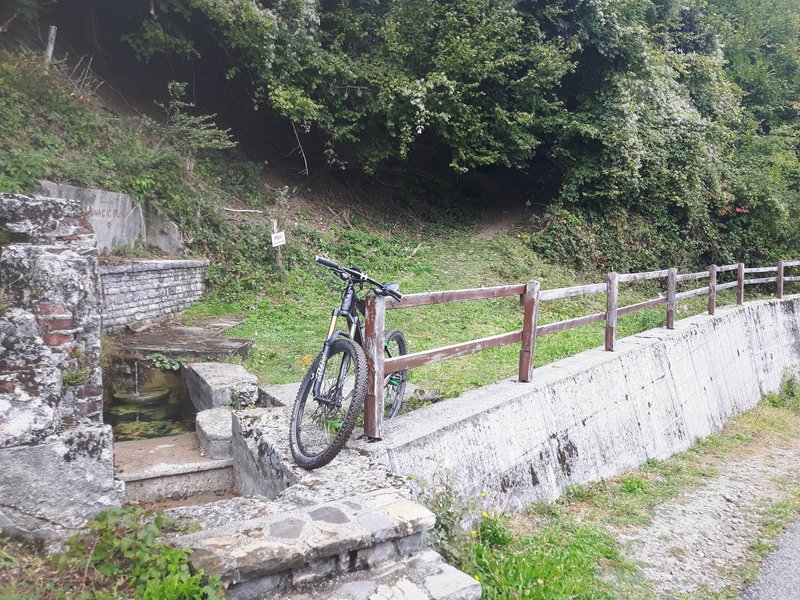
{"x": 118, "y": 220}
{"x": 597, "y": 414}
{"x": 149, "y": 291}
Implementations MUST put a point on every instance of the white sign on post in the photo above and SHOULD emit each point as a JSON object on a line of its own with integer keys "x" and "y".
{"x": 278, "y": 239}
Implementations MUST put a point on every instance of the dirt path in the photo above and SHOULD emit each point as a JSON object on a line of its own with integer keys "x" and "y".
{"x": 696, "y": 542}
{"x": 493, "y": 224}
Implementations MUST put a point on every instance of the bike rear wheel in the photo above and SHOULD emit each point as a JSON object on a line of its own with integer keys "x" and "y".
{"x": 321, "y": 426}
{"x": 394, "y": 387}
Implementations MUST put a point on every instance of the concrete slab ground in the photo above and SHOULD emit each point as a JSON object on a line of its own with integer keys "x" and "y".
{"x": 204, "y": 337}
{"x": 170, "y": 468}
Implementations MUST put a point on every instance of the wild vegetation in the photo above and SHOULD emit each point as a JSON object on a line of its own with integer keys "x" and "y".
{"x": 121, "y": 555}
{"x": 650, "y": 131}
{"x": 51, "y": 128}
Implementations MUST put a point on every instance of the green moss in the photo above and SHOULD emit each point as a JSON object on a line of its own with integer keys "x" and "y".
{"x": 74, "y": 377}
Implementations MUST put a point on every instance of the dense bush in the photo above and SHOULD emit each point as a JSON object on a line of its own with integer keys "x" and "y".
{"x": 664, "y": 131}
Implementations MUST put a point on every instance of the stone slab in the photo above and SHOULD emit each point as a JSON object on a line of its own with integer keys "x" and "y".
{"x": 161, "y": 457}
{"x": 423, "y": 576}
{"x": 40, "y": 484}
{"x": 179, "y": 486}
{"x": 597, "y": 414}
{"x": 214, "y": 384}
{"x": 118, "y": 220}
{"x": 170, "y": 468}
{"x": 203, "y": 338}
{"x": 214, "y": 432}
{"x": 314, "y": 541}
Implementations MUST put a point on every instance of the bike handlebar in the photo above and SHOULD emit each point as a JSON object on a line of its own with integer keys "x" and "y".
{"x": 327, "y": 262}
{"x": 380, "y": 288}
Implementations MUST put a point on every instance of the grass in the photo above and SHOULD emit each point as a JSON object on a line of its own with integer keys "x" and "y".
{"x": 290, "y": 319}
{"x": 569, "y": 549}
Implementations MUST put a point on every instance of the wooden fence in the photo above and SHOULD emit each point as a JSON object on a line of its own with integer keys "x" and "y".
{"x": 531, "y": 296}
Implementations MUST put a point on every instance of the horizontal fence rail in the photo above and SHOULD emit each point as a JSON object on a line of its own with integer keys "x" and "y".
{"x": 531, "y": 298}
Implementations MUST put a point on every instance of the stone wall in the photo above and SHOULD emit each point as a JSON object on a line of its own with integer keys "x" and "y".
{"x": 149, "y": 291}
{"x": 53, "y": 447}
{"x": 596, "y": 414}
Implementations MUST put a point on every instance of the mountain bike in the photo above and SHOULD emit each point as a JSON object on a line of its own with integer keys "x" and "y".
{"x": 331, "y": 395}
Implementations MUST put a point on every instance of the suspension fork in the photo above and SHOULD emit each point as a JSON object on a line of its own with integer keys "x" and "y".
{"x": 326, "y": 348}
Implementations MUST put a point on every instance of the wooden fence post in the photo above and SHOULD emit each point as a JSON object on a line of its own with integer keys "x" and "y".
{"x": 530, "y": 302}
{"x": 612, "y": 289}
{"x": 375, "y": 318}
{"x": 740, "y": 284}
{"x": 779, "y": 281}
{"x": 712, "y": 289}
{"x": 51, "y": 45}
{"x": 671, "y": 304}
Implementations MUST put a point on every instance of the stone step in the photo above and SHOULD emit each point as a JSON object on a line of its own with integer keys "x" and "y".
{"x": 215, "y": 431}
{"x": 169, "y": 468}
{"x": 215, "y": 384}
{"x": 257, "y": 546}
{"x": 422, "y": 576}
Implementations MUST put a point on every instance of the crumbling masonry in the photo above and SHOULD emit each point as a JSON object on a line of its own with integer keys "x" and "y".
{"x": 54, "y": 448}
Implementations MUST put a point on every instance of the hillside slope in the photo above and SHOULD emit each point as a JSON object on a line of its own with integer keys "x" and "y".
{"x": 54, "y": 126}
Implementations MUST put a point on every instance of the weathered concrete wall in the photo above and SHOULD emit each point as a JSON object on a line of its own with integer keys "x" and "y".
{"x": 118, "y": 220}
{"x": 50, "y": 379}
{"x": 596, "y": 414}
{"x": 149, "y": 291}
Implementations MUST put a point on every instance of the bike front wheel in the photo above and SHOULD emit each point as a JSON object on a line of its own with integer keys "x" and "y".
{"x": 321, "y": 426}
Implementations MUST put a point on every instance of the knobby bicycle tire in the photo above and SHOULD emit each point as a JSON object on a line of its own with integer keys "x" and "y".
{"x": 394, "y": 388}
{"x": 344, "y": 353}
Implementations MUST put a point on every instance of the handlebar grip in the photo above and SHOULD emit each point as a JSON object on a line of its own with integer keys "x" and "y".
{"x": 327, "y": 262}
{"x": 396, "y": 295}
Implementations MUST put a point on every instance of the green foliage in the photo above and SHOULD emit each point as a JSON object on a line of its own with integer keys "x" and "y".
{"x": 25, "y": 9}
{"x": 788, "y": 397}
{"x": 668, "y": 131}
{"x": 123, "y": 545}
{"x": 48, "y": 130}
{"x": 559, "y": 561}
{"x": 73, "y": 377}
{"x": 160, "y": 361}
{"x": 493, "y": 530}
{"x": 188, "y": 133}
{"x": 451, "y": 513}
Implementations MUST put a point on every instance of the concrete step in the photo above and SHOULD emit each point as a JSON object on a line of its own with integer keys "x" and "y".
{"x": 258, "y": 546}
{"x": 170, "y": 468}
{"x": 422, "y": 576}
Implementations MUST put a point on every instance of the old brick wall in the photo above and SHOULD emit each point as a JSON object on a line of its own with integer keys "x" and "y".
{"x": 149, "y": 291}
{"x": 56, "y": 457}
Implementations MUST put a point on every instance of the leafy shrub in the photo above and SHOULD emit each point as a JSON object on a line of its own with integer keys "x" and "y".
{"x": 788, "y": 397}
{"x": 122, "y": 547}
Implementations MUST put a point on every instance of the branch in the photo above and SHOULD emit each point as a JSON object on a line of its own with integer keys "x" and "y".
{"x": 4, "y": 26}
{"x": 243, "y": 210}
{"x": 302, "y": 153}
